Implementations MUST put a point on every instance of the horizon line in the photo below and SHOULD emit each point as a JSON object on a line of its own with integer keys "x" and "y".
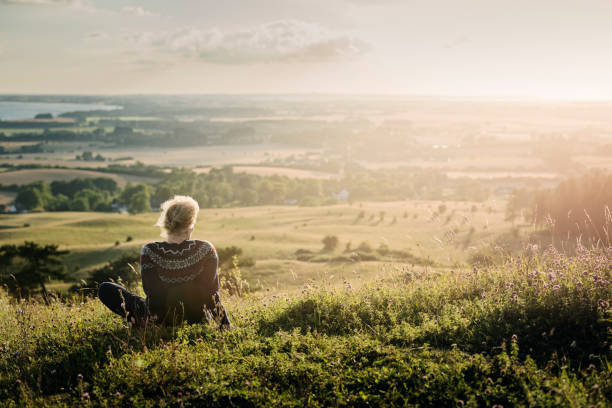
{"x": 492, "y": 97}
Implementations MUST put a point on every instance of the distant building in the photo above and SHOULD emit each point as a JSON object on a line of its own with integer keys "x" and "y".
{"x": 342, "y": 195}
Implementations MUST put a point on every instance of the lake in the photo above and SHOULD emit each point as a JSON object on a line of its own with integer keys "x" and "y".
{"x": 27, "y": 110}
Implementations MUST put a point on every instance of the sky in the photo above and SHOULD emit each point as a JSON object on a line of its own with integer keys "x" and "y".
{"x": 551, "y": 49}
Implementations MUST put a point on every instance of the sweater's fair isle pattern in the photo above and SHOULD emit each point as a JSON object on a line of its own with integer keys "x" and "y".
{"x": 176, "y": 263}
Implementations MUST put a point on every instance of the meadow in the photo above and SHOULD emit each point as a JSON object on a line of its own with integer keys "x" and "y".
{"x": 534, "y": 332}
{"x": 271, "y": 235}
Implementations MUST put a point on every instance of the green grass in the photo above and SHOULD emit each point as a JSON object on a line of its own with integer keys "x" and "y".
{"x": 535, "y": 332}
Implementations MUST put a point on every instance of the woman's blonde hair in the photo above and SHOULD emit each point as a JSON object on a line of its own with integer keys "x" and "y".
{"x": 178, "y": 213}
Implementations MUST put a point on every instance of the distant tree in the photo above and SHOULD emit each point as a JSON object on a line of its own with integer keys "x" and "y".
{"x": 330, "y": 242}
{"x": 34, "y": 196}
{"x": 139, "y": 203}
{"x": 122, "y": 269}
{"x": 31, "y": 265}
{"x": 137, "y": 198}
{"x": 364, "y": 247}
{"x": 43, "y": 116}
{"x": 79, "y": 204}
{"x": 87, "y": 156}
{"x": 248, "y": 196}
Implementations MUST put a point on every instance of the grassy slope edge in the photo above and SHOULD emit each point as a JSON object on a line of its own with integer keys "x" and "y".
{"x": 535, "y": 332}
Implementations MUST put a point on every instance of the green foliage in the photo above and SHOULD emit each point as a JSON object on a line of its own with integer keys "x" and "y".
{"x": 533, "y": 333}
{"x": 29, "y": 266}
{"x": 230, "y": 279}
{"x": 137, "y": 198}
{"x": 94, "y": 194}
{"x": 227, "y": 254}
{"x": 122, "y": 270}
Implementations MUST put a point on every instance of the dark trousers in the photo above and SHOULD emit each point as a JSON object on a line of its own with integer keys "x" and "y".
{"x": 124, "y": 303}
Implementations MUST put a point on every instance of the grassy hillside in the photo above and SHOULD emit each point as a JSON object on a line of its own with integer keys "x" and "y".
{"x": 272, "y": 234}
{"x": 536, "y": 332}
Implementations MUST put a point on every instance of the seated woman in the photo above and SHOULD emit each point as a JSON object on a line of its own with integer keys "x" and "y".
{"x": 179, "y": 275}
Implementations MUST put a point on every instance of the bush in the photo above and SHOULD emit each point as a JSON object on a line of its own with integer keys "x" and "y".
{"x": 330, "y": 243}
{"x": 364, "y": 247}
{"x": 231, "y": 280}
{"x": 226, "y": 256}
{"x": 125, "y": 270}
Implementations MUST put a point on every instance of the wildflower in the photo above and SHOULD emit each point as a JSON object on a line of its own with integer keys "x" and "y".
{"x": 514, "y": 337}
{"x": 556, "y": 287}
{"x": 117, "y": 394}
{"x": 80, "y": 377}
{"x": 85, "y": 395}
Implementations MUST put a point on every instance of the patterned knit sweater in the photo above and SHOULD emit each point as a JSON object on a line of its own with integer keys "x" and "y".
{"x": 181, "y": 281}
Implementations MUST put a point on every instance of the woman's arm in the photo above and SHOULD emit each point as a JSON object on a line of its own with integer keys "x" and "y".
{"x": 213, "y": 289}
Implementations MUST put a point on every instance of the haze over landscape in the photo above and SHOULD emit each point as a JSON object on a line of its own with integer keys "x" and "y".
{"x": 410, "y": 201}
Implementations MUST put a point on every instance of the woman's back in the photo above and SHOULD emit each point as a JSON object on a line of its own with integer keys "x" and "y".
{"x": 180, "y": 279}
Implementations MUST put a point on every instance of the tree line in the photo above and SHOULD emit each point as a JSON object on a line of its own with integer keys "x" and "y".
{"x": 222, "y": 187}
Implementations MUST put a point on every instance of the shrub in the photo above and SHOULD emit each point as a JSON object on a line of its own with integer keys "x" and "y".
{"x": 364, "y": 247}
{"x": 124, "y": 269}
{"x": 231, "y": 280}
{"x": 330, "y": 243}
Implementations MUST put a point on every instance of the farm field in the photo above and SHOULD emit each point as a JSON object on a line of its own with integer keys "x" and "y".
{"x": 271, "y": 235}
{"x": 174, "y": 157}
{"x": 28, "y": 176}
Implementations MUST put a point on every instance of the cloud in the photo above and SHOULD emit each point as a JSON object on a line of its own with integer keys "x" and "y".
{"x": 62, "y": 3}
{"x": 138, "y": 11}
{"x": 284, "y": 40}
